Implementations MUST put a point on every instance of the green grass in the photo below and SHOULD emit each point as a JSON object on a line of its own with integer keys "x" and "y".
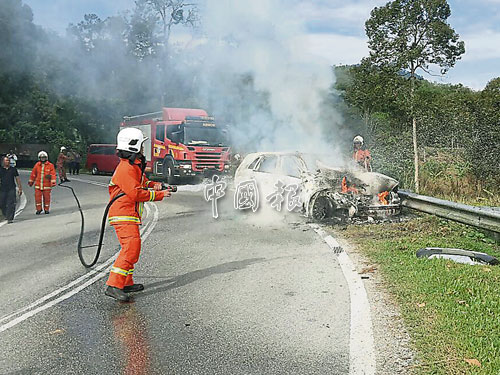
{"x": 451, "y": 310}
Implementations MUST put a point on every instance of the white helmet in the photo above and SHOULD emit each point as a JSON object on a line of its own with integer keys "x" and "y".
{"x": 358, "y": 139}
{"x": 130, "y": 139}
{"x": 42, "y": 154}
{"x": 63, "y": 148}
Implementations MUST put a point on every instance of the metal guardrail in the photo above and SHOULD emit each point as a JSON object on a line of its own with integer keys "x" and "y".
{"x": 480, "y": 217}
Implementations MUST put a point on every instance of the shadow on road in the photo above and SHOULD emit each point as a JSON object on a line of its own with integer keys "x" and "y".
{"x": 190, "y": 277}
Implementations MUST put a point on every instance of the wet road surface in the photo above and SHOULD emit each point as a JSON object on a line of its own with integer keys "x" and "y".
{"x": 236, "y": 295}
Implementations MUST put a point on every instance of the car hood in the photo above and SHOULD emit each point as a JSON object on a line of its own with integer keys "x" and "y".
{"x": 368, "y": 183}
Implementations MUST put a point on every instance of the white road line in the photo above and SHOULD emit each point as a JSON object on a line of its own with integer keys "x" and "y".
{"x": 99, "y": 275}
{"x": 334, "y": 245}
{"x": 361, "y": 344}
{"x": 145, "y": 232}
{"x": 78, "y": 289}
{"x": 22, "y": 205}
{"x": 70, "y": 285}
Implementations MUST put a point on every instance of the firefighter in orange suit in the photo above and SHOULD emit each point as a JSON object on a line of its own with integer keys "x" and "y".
{"x": 361, "y": 155}
{"x": 43, "y": 176}
{"x": 62, "y": 158}
{"x": 125, "y": 213}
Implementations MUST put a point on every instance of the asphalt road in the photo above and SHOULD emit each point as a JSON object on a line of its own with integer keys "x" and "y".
{"x": 242, "y": 294}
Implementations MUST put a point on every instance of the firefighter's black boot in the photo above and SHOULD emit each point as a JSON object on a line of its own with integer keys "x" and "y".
{"x": 117, "y": 293}
{"x": 38, "y": 212}
{"x": 133, "y": 288}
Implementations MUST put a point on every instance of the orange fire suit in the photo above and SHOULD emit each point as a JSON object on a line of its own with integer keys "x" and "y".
{"x": 61, "y": 169}
{"x": 43, "y": 176}
{"x": 125, "y": 216}
{"x": 363, "y": 158}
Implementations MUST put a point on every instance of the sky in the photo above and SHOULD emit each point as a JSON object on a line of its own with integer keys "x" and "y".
{"x": 334, "y": 30}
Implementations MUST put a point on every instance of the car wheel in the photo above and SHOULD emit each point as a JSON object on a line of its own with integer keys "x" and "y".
{"x": 322, "y": 208}
{"x": 95, "y": 170}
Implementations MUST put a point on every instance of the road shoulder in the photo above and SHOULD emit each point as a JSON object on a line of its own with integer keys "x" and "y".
{"x": 392, "y": 341}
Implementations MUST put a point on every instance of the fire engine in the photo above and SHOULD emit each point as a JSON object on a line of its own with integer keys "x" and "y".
{"x": 183, "y": 143}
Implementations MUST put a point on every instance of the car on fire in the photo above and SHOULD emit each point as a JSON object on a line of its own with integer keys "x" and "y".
{"x": 325, "y": 192}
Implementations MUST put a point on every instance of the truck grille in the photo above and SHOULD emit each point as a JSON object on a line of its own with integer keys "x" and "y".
{"x": 207, "y": 156}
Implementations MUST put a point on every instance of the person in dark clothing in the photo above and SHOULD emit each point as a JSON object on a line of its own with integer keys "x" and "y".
{"x": 77, "y": 161}
{"x": 8, "y": 178}
{"x": 71, "y": 162}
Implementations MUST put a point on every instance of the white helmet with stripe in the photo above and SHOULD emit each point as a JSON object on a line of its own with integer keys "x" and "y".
{"x": 42, "y": 154}
{"x": 130, "y": 139}
{"x": 358, "y": 139}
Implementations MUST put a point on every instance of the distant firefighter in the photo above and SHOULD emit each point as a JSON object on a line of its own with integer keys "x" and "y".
{"x": 43, "y": 176}
{"x": 361, "y": 154}
{"x": 62, "y": 159}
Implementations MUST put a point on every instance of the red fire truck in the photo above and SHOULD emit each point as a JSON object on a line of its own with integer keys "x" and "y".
{"x": 183, "y": 143}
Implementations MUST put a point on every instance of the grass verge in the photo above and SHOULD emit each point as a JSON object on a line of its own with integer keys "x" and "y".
{"x": 451, "y": 310}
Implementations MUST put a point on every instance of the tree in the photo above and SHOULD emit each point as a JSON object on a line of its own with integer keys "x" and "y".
{"x": 372, "y": 89}
{"x": 167, "y": 13}
{"x": 18, "y": 37}
{"x": 88, "y": 31}
{"x": 485, "y": 141}
{"x": 413, "y": 35}
{"x": 170, "y": 13}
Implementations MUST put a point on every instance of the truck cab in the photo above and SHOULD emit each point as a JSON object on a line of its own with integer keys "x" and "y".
{"x": 183, "y": 143}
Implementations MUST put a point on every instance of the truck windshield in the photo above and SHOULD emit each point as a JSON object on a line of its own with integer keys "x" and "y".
{"x": 206, "y": 136}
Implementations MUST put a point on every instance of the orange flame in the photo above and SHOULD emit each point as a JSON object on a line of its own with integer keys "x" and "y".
{"x": 382, "y": 197}
{"x": 348, "y": 189}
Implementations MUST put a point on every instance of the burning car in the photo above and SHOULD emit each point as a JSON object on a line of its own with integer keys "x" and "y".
{"x": 325, "y": 192}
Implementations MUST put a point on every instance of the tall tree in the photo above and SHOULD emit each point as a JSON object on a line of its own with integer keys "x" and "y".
{"x": 88, "y": 31}
{"x": 168, "y": 13}
{"x": 413, "y": 35}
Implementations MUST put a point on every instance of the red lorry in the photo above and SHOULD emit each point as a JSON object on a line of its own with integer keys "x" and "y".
{"x": 183, "y": 143}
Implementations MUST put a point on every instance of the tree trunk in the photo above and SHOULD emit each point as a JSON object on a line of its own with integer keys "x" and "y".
{"x": 415, "y": 153}
{"x": 414, "y": 125}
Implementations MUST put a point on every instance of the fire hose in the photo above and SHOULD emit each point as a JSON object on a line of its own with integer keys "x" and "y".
{"x": 171, "y": 188}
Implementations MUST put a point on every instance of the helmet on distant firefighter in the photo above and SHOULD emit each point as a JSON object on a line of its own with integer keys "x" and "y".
{"x": 130, "y": 139}
{"x": 358, "y": 139}
{"x": 63, "y": 149}
{"x": 42, "y": 155}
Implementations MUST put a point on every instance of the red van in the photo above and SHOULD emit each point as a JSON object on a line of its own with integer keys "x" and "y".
{"x": 101, "y": 158}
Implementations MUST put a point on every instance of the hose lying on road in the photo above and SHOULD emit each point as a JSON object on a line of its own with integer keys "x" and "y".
{"x": 82, "y": 229}
{"x": 170, "y": 188}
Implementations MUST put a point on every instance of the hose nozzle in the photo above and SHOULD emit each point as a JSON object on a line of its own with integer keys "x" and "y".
{"x": 170, "y": 188}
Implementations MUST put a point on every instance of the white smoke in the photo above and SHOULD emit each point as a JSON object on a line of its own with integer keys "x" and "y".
{"x": 253, "y": 64}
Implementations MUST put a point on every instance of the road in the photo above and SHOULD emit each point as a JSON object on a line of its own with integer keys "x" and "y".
{"x": 241, "y": 294}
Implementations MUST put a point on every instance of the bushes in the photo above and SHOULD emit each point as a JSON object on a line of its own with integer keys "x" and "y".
{"x": 458, "y": 131}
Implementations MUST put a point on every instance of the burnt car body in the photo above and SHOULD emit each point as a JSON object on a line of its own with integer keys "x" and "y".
{"x": 325, "y": 191}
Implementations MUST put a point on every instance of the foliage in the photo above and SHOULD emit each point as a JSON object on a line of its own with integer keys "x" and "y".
{"x": 449, "y": 309}
{"x": 484, "y": 150}
{"x": 412, "y": 34}
{"x": 459, "y": 130}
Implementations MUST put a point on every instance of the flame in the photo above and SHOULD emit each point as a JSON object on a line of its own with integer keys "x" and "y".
{"x": 348, "y": 189}
{"x": 382, "y": 197}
